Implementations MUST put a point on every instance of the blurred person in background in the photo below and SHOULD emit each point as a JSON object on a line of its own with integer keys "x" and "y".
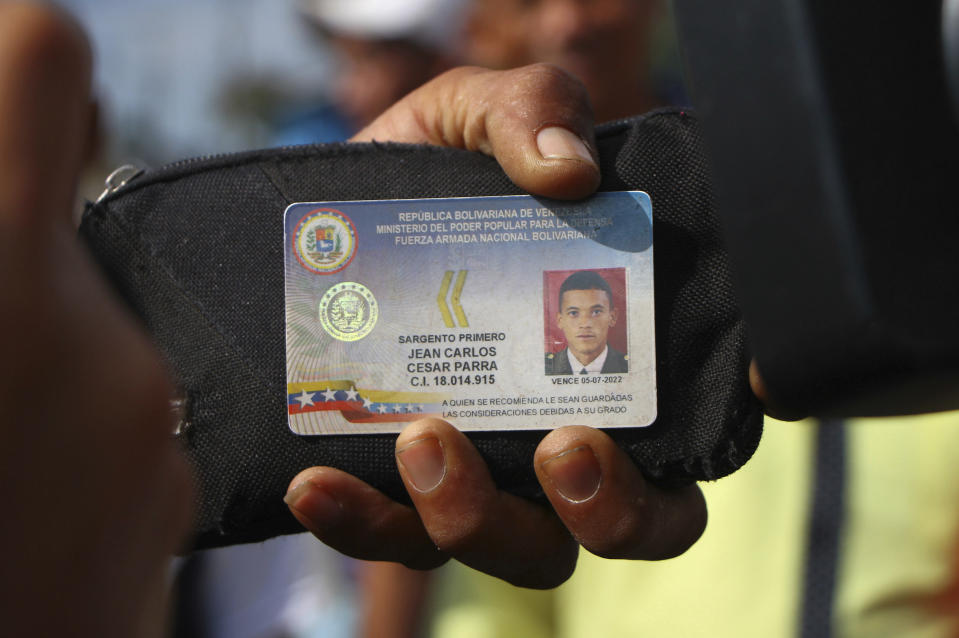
{"x": 833, "y": 529}
{"x": 622, "y": 50}
{"x": 384, "y": 49}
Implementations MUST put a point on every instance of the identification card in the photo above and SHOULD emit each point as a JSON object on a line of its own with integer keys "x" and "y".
{"x": 494, "y": 313}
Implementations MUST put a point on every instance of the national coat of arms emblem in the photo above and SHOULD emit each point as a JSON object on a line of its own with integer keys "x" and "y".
{"x": 324, "y": 241}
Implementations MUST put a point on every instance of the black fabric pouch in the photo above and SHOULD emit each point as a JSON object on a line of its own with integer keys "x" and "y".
{"x": 196, "y": 250}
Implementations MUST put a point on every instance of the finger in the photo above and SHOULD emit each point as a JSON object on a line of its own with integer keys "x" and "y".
{"x": 360, "y": 521}
{"x": 607, "y": 505}
{"x": 45, "y": 66}
{"x": 770, "y": 405}
{"x": 469, "y": 519}
{"x": 536, "y": 121}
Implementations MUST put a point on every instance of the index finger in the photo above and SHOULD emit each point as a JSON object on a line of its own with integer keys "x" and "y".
{"x": 467, "y": 517}
{"x": 607, "y": 504}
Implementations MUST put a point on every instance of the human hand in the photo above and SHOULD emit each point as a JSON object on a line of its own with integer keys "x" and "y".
{"x": 96, "y": 496}
{"x": 508, "y": 114}
{"x": 536, "y": 122}
{"x": 599, "y": 499}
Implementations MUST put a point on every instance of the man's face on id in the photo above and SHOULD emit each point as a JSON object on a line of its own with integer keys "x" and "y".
{"x": 585, "y": 318}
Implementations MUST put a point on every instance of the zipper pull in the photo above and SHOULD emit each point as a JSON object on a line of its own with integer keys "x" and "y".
{"x": 118, "y": 179}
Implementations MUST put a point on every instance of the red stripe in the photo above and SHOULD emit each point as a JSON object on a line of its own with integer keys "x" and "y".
{"x": 294, "y": 408}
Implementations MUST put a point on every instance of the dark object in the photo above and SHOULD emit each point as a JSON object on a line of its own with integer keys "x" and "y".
{"x": 196, "y": 249}
{"x": 558, "y": 362}
{"x": 831, "y": 129}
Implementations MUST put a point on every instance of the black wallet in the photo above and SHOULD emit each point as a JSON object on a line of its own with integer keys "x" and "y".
{"x": 196, "y": 250}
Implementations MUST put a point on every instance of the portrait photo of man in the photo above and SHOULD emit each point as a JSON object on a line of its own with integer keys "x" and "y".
{"x": 586, "y": 316}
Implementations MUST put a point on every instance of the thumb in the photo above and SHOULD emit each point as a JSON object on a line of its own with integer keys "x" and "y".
{"x": 536, "y": 121}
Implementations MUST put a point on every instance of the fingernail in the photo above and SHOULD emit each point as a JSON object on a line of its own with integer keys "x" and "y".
{"x": 556, "y": 142}
{"x": 424, "y": 463}
{"x": 314, "y": 503}
{"x": 575, "y": 473}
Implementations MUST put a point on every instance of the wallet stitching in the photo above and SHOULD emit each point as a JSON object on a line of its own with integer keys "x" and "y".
{"x": 194, "y": 303}
{"x": 269, "y": 178}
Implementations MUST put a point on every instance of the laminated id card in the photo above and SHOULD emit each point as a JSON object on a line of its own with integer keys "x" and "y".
{"x": 494, "y": 313}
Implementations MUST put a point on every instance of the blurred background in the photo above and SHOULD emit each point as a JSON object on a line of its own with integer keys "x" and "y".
{"x": 178, "y": 78}
{"x": 183, "y": 78}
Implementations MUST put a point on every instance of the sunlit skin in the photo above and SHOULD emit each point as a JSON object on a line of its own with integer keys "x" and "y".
{"x": 585, "y": 318}
{"x": 604, "y": 43}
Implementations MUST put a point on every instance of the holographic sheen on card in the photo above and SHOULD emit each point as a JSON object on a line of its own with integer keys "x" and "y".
{"x": 495, "y": 313}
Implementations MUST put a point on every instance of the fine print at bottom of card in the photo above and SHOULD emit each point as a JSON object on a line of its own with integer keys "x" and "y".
{"x": 494, "y": 313}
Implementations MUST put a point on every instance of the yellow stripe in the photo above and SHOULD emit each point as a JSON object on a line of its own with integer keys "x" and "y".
{"x": 441, "y": 299}
{"x": 455, "y": 299}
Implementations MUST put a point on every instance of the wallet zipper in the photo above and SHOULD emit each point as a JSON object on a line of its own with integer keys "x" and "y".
{"x": 123, "y": 175}
{"x": 127, "y": 173}
{"x": 119, "y": 178}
